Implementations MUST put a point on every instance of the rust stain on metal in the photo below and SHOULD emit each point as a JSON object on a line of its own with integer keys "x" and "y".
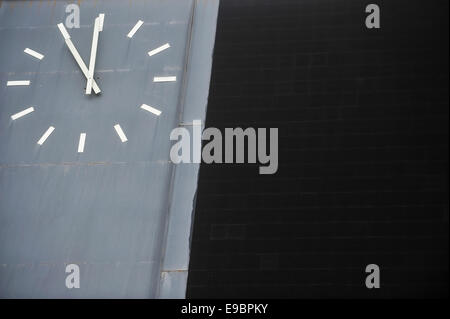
{"x": 82, "y": 164}
{"x": 174, "y": 270}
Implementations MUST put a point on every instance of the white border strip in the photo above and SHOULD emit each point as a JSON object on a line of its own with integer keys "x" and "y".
{"x": 22, "y": 113}
{"x": 46, "y": 135}
{"x": 159, "y": 49}
{"x": 135, "y": 28}
{"x": 150, "y": 109}
{"x": 81, "y": 142}
{"x": 37, "y": 55}
{"x": 121, "y": 134}
{"x": 16, "y": 83}
{"x": 164, "y": 79}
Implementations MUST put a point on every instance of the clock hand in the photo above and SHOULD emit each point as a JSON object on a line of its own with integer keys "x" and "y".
{"x": 77, "y": 56}
{"x": 97, "y": 29}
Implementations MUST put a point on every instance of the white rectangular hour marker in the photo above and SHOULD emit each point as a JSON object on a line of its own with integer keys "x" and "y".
{"x": 46, "y": 135}
{"x": 81, "y": 142}
{"x": 135, "y": 28}
{"x": 37, "y": 55}
{"x": 150, "y": 109}
{"x": 157, "y": 50}
{"x": 22, "y": 113}
{"x": 15, "y": 83}
{"x": 121, "y": 134}
{"x": 164, "y": 79}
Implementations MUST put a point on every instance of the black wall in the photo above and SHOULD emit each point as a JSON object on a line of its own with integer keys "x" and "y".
{"x": 363, "y": 159}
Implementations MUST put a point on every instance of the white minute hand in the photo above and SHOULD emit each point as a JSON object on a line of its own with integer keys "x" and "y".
{"x": 77, "y": 56}
{"x": 98, "y": 26}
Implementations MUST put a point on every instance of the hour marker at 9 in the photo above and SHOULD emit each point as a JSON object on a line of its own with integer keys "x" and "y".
{"x": 81, "y": 142}
{"x": 121, "y": 134}
{"x": 22, "y": 113}
{"x": 16, "y": 83}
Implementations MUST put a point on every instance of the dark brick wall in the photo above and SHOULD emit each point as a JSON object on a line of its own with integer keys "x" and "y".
{"x": 363, "y": 134}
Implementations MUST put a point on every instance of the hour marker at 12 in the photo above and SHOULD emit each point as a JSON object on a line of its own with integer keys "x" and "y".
{"x": 81, "y": 142}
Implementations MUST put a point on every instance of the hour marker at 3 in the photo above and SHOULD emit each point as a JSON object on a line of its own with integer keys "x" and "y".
{"x": 17, "y": 83}
{"x": 22, "y": 113}
{"x": 150, "y": 109}
{"x": 46, "y": 135}
{"x": 121, "y": 134}
{"x": 164, "y": 79}
{"x": 135, "y": 28}
{"x": 81, "y": 142}
{"x": 37, "y": 55}
{"x": 159, "y": 49}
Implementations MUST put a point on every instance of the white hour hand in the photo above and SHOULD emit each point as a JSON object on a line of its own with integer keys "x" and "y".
{"x": 77, "y": 56}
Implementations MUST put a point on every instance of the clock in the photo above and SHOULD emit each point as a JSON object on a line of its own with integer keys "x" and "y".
{"x": 133, "y": 76}
{"x": 85, "y": 119}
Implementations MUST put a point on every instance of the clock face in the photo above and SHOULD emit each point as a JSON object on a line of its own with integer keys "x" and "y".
{"x": 86, "y": 179}
{"x": 134, "y": 62}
